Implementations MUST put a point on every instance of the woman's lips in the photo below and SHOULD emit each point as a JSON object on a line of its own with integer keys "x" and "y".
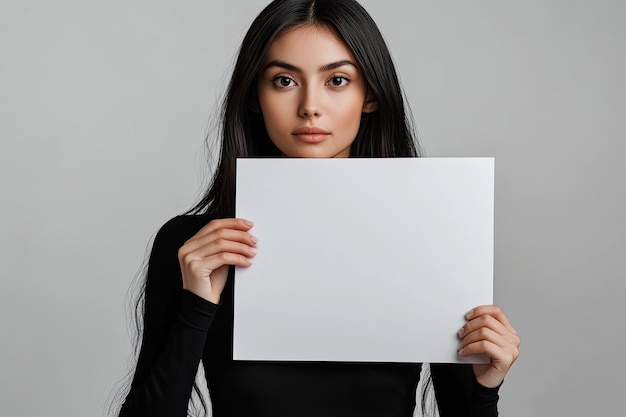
{"x": 311, "y": 134}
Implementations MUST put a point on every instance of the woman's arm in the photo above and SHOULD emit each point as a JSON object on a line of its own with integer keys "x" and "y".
{"x": 459, "y": 394}
{"x": 176, "y": 319}
{"x": 175, "y": 328}
{"x": 472, "y": 390}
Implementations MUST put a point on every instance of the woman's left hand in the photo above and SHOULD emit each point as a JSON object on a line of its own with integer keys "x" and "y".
{"x": 489, "y": 332}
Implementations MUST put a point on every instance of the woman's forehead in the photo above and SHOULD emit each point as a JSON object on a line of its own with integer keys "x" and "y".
{"x": 314, "y": 44}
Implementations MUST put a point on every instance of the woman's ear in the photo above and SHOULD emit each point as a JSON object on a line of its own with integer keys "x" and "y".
{"x": 370, "y": 105}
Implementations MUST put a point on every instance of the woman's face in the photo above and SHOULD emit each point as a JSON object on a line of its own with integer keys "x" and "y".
{"x": 311, "y": 94}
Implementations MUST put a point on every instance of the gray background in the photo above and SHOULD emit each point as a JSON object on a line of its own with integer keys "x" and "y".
{"x": 103, "y": 108}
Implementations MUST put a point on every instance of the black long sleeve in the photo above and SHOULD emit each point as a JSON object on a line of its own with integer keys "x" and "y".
{"x": 181, "y": 329}
{"x": 459, "y": 394}
{"x": 176, "y": 322}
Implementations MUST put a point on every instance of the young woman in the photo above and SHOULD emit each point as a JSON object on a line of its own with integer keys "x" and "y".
{"x": 313, "y": 79}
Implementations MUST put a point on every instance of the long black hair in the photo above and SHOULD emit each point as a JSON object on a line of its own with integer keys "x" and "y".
{"x": 386, "y": 132}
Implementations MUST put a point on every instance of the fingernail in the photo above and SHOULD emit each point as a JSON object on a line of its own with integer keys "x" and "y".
{"x": 469, "y": 314}
{"x": 248, "y": 223}
{"x": 460, "y": 351}
{"x": 253, "y": 239}
{"x": 253, "y": 250}
{"x": 460, "y": 332}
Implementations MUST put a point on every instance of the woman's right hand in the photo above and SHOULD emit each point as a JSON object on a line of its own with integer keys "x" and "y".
{"x": 205, "y": 257}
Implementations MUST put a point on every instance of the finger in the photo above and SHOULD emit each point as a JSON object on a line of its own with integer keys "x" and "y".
{"x": 484, "y": 321}
{"x": 219, "y": 235}
{"x": 482, "y": 347}
{"x": 205, "y": 266}
{"x": 221, "y": 246}
{"x": 498, "y": 335}
{"x": 229, "y": 223}
{"x": 216, "y": 251}
{"x": 499, "y": 355}
{"x": 491, "y": 310}
{"x": 484, "y": 333}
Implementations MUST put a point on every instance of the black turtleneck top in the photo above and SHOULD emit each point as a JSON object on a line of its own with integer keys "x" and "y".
{"x": 182, "y": 330}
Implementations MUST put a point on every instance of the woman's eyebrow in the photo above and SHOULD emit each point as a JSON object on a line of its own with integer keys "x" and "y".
{"x": 323, "y": 68}
{"x": 335, "y": 65}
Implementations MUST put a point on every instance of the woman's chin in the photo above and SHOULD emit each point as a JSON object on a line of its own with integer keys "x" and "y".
{"x": 315, "y": 152}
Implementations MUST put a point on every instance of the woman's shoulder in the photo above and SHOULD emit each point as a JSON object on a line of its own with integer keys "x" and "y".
{"x": 179, "y": 229}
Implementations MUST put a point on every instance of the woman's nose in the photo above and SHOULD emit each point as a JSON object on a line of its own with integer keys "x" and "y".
{"x": 310, "y": 103}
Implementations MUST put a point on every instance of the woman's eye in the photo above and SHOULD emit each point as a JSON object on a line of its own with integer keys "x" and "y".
{"x": 338, "y": 81}
{"x": 283, "y": 81}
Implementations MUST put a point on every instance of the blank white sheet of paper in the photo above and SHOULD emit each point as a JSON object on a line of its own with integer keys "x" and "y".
{"x": 365, "y": 260}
